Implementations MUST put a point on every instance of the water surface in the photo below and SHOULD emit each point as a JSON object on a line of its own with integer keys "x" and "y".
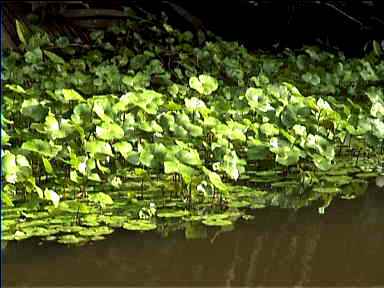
{"x": 344, "y": 247}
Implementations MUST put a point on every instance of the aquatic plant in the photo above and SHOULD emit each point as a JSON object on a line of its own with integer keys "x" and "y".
{"x": 148, "y": 114}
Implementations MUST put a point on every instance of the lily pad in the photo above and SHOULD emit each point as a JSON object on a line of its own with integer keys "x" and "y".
{"x": 139, "y": 225}
{"x": 367, "y": 175}
{"x": 327, "y": 189}
{"x": 172, "y": 214}
{"x": 96, "y": 231}
{"x": 338, "y": 180}
{"x": 71, "y": 239}
{"x": 216, "y": 221}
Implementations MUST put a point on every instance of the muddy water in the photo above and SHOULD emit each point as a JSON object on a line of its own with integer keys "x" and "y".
{"x": 344, "y": 247}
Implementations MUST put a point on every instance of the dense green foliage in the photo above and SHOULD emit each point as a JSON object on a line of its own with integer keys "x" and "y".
{"x": 146, "y": 123}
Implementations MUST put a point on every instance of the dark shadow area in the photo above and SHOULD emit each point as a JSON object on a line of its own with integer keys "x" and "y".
{"x": 348, "y": 26}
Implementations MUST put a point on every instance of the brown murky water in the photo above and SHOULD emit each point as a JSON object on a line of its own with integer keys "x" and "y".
{"x": 344, "y": 247}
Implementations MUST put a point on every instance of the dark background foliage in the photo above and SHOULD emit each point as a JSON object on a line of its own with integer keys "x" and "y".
{"x": 345, "y": 25}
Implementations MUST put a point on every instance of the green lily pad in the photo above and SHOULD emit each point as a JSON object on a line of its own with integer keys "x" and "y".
{"x": 327, "y": 190}
{"x": 91, "y": 220}
{"x": 283, "y": 184}
{"x": 71, "y": 229}
{"x": 257, "y": 206}
{"x": 96, "y": 231}
{"x": 172, "y": 214}
{"x": 367, "y": 175}
{"x": 238, "y": 204}
{"x": 39, "y": 231}
{"x": 338, "y": 180}
{"x": 139, "y": 225}
{"x": 264, "y": 173}
{"x": 71, "y": 239}
{"x": 216, "y": 221}
{"x": 50, "y": 238}
{"x": 101, "y": 199}
{"x": 20, "y": 235}
{"x": 97, "y": 238}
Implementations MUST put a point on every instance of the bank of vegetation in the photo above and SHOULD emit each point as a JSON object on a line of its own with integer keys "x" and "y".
{"x": 147, "y": 127}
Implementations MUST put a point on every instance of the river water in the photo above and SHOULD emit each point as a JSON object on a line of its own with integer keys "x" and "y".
{"x": 343, "y": 247}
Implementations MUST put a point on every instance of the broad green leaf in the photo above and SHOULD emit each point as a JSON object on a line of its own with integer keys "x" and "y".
{"x": 321, "y": 145}
{"x": 175, "y": 166}
{"x": 257, "y": 150}
{"x": 34, "y": 56}
{"x": 94, "y": 177}
{"x": 205, "y": 84}
{"x": 377, "y": 110}
{"x": 52, "y": 196}
{"x": 21, "y": 31}
{"x": 189, "y": 157}
{"x": 109, "y": 131}
{"x": 98, "y": 147}
{"x": 215, "y": 179}
{"x": 209, "y": 84}
{"x": 72, "y": 95}
{"x": 378, "y": 128}
{"x": 147, "y": 157}
{"x": 54, "y": 57}
{"x": 15, "y": 88}
{"x": 123, "y": 148}
{"x": 311, "y": 78}
{"x": 100, "y": 198}
{"x": 194, "y": 103}
{"x": 269, "y": 129}
{"x": 194, "y": 83}
{"x": 9, "y": 167}
{"x": 148, "y": 100}
{"x": 47, "y": 166}
{"x": 34, "y": 109}
{"x": 258, "y": 100}
{"x": 139, "y": 225}
{"x": 233, "y": 166}
{"x": 41, "y": 147}
{"x": 288, "y": 156}
{"x": 4, "y": 137}
{"x": 321, "y": 162}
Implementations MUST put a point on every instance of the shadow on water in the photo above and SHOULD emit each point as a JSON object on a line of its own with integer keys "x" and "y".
{"x": 344, "y": 247}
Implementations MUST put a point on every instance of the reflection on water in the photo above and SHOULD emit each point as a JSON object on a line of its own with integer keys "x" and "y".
{"x": 344, "y": 247}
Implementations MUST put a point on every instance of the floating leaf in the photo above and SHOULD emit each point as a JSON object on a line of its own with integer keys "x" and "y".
{"x": 327, "y": 190}
{"x": 139, "y": 225}
{"x": 172, "y": 214}
{"x": 214, "y": 220}
{"x": 71, "y": 239}
{"x": 96, "y": 231}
